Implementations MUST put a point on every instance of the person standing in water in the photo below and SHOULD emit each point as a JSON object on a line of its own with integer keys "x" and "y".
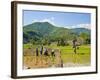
{"x": 41, "y": 50}
{"x": 36, "y": 58}
{"x": 75, "y": 45}
{"x": 41, "y": 53}
{"x": 37, "y": 52}
{"x": 46, "y": 55}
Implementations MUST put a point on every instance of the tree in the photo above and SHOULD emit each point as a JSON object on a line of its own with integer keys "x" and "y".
{"x": 85, "y": 37}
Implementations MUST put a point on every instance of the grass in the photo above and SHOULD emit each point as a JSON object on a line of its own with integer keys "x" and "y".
{"x": 68, "y": 55}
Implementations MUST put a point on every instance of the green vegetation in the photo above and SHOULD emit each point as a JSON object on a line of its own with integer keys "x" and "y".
{"x": 57, "y": 38}
{"x": 46, "y": 33}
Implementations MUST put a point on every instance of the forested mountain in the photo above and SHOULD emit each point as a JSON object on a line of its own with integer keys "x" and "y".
{"x": 42, "y": 32}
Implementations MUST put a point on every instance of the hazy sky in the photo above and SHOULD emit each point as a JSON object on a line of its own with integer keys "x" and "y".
{"x": 61, "y": 19}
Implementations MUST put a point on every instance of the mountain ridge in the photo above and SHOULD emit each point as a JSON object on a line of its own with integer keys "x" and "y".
{"x": 45, "y": 29}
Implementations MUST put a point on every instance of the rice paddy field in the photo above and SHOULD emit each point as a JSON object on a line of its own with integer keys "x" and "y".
{"x": 64, "y": 56}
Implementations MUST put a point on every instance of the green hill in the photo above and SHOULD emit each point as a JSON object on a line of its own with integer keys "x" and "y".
{"x": 80, "y": 30}
{"x": 44, "y": 31}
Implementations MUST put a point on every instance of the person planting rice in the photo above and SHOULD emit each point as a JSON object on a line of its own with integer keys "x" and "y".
{"x": 53, "y": 53}
{"x": 75, "y": 45}
{"x": 36, "y": 58}
{"x": 46, "y": 55}
{"x": 37, "y": 52}
{"x": 41, "y": 50}
{"x": 46, "y": 52}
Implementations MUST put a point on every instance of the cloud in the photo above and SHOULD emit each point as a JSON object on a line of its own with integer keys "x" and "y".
{"x": 46, "y": 20}
{"x": 50, "y": 20}
{"x": 87, "y": 26}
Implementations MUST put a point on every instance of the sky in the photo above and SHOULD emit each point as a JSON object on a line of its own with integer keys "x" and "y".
{"x": 60, "y": 19}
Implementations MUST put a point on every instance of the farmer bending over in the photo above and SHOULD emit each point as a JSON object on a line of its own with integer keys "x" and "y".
{"x": 53, "y": 53}
{"x": 46, "y": 52}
